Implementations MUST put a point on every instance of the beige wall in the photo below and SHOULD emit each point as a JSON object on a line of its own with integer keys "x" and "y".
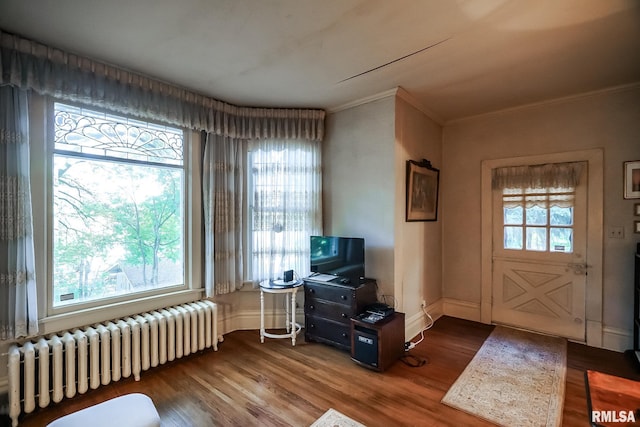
{"x": 358, "y": 180}
{"x": 364, "y": 157}
{"x": 609, "y": 120}
{"x": 418, "y": 250}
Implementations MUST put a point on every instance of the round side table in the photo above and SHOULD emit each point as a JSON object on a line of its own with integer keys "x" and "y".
{"x": 289, "y": 289}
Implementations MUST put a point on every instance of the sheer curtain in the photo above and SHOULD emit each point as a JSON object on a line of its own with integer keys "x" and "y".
{"x": 286, "y": 205}
{"x": 551, "y": 184}
{"x": 18, "y": 305}
{"x": 223, "y": 189}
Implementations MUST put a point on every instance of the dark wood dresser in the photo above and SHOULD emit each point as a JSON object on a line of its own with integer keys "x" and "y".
{"x": 329, "y": 307}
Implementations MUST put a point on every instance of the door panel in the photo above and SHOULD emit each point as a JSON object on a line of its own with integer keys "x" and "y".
{"x": 541, "y": 290}
{"x": 543, "y": 297}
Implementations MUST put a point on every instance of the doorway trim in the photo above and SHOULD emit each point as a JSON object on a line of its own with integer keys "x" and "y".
{"x": 595, "y": 232}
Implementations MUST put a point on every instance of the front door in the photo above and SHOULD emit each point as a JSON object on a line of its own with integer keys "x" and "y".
{"x": 539, "y": 271}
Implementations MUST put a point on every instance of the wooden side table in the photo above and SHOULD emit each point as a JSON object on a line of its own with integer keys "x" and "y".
{"x": 289, "y": 289}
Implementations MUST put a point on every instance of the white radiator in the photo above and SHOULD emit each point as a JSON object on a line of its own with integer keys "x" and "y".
{"x": 71, "y": 362}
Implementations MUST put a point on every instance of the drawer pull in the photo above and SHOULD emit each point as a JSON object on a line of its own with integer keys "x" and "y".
{"x": 344, "y": 315}
{"x": 312, "y": 307}
{"x": 312, "y": 291}
{"x": 343, "y": 297}
{"x": 344, "y": 335}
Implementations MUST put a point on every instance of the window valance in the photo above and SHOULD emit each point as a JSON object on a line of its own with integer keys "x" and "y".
{"x": 51, "y": 71}
{"x": 551, "y": 175}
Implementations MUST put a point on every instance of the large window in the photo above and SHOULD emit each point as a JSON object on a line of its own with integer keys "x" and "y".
{"x": 118, "y": 206}
{"x": 285, "y": 207}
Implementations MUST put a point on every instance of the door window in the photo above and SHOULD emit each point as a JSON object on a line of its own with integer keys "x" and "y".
{"x": 536, "y": 219}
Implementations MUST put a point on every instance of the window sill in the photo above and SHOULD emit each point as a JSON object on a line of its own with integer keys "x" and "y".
{"x": 59, "y": 322}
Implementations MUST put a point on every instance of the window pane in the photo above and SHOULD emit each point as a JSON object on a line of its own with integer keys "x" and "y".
{"x": 536, "y": 215}
{"x": 561, "y": 216}
{"x": 561, "y": 239}
{"x": 95, "y": 133}
{"x": 513, "y": 237}
{"x": 536, "y": 239}
{"x": 513, "y": 216}
{"x": 118, "y": 229}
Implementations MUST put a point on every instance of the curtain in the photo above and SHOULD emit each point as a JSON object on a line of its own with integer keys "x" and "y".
{"x": 223, "y": 187}
{"x": 551, "y": 175}
{"x": 545, "y": 185}
{"x": 50, "y": 71}
{"x": 18, "y": 305}
{"x": 286, "y": 205}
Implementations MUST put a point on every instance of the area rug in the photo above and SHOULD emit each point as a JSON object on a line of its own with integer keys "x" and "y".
{"x": 516, "y": 378}
{"x": 333, "y": 418}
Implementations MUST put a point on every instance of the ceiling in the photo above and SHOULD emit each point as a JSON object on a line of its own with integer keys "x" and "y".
{"x": 456, "y": 58}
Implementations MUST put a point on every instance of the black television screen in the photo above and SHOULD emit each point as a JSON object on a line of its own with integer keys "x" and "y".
{"x": 340, "y": 256}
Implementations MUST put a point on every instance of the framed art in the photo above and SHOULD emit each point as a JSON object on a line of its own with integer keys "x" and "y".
{"x": 632, "y": 180}
{"x": 636, "y": 209}
{"x": 636, "y": 226}
{"x": 422, "y": 191}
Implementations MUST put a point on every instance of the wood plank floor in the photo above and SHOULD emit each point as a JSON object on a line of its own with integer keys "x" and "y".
{"x": 247, "y": 383}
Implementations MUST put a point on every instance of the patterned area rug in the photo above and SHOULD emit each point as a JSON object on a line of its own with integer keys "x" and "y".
{"x": 516, "y": 378}
{"x": 333, "y": 418}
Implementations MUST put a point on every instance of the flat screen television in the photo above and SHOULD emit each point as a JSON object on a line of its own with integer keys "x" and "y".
{"x": 339, "y": 256}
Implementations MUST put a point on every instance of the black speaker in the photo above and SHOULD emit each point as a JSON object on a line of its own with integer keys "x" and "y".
{"x": 288, "y": 276}
{"x": 365, "y": 346}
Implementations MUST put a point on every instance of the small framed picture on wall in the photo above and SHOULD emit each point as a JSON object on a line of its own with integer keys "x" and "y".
{"x": 632, "y": 180}
{"x": 422, "y": 191}
{"x": 636, "y": 209}
{"x": 636, "y": 227}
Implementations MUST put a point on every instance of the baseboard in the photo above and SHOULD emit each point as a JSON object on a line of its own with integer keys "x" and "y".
{"x": 461, "y": 309}
{"x": 250, "y": 320}
{"x": 616, "y": 339}
{"x": 418, "y": 321}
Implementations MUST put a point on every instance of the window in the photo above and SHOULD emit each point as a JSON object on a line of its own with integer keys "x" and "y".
{"x": 118, "y": 206}
{"x": 538, "y": 219}
{"x": 285, "y": 207}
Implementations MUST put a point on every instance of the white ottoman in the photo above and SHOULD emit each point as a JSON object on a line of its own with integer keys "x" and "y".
{"x": 130, "y": 410}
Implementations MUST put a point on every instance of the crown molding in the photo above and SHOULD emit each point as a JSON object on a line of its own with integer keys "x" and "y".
{"x": 410, "y": 99}
{"x": 613, "y": 89}
{"x": 362, "y": 101}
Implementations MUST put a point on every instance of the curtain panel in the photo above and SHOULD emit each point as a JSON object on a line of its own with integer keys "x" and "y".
{"x": 18, "y": 297}
{"x": 223, "y": 190}
{"x": 50, "y": 71}
{"x": 286, "y": 206}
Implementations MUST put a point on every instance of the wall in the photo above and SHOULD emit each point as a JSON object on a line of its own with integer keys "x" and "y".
{"x": 607, "y": 119}
{"x": 364, "y": 178}
{"x": 418, "y": 250}
{"x": 358, "y": 180}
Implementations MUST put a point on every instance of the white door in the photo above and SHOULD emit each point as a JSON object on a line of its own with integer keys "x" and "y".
{"x": 539, "y": 267}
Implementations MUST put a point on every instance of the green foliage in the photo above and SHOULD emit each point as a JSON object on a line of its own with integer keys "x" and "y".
{"x": 109, "y": 216}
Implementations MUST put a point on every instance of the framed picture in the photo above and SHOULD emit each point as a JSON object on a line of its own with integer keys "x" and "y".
{"x": 632, "y": 180}
{"x": 422, "y": 191}
{"x": 636, "y": 227}
{"x": 636, "y": 209}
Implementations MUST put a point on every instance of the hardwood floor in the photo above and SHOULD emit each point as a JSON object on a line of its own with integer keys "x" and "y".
{"x": 247, "y": 383}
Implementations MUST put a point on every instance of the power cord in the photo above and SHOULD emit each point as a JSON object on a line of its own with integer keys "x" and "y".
{"x": 409, "y": 359}
{"x": 409, "y": 345}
